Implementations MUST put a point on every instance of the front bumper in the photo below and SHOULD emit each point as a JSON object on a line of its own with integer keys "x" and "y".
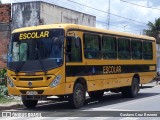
{"x": 47, "y": 91}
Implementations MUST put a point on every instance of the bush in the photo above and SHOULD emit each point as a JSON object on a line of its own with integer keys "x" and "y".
{"x": 3, "y": 77}
{"x": 3, "y": 90}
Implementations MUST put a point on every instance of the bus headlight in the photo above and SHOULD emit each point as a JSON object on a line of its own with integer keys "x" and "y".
{"x": 56, "y": 81}
{"x": 10, "y": 82}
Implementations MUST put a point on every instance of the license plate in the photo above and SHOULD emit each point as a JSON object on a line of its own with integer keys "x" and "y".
{"x": 31, "y": 93}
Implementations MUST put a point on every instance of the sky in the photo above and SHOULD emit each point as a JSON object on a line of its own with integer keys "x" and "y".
{"x": 125, "y": 15}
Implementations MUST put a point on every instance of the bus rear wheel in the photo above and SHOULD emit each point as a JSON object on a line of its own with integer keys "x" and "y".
{"x": 131, "y": 91}
{"x": 29, "y": 103}
{"x": 78, "y": 97}
{"x": 96, "y": 94}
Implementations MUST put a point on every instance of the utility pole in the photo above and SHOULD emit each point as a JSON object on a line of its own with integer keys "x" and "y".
{"x": 147, "y": 3}
{"x": 108, "y": 13}
{"x": 124, "y": 26}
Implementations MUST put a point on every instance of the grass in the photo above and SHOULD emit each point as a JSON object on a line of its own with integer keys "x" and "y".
{"x": 4, "y": 99}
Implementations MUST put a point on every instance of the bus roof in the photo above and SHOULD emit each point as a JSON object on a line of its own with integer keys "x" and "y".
{"x": 82, "y": 28}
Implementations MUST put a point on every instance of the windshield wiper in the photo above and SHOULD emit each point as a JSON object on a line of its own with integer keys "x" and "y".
{"x": 40, "y": 60}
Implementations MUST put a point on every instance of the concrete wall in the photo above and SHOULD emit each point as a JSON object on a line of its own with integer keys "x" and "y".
{"x": 34, "y": 13}
{"x": 25, "y": 14}
{"x": 50, "y": 14}
{"x": 5, "y": 19}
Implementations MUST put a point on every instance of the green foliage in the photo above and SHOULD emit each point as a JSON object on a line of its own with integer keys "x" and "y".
{"x": 3, "y": 95}
{"x": 3, "y": 72}
{"x": 3, "y": 84}
{"x": 3, "y": 90}
{"x": 3, "y": 77}
{"x": 4, "y": 99}
{"x": 153, "y": 29}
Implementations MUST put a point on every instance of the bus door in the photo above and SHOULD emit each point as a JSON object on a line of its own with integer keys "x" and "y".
{"x": 73, "y": 58}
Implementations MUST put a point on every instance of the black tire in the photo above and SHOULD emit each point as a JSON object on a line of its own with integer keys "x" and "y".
{"x": 29, "y": 103}
{"x": 96, "y": 94}
{"x": 131, "y": 91}
{"x": 78, "y": 97}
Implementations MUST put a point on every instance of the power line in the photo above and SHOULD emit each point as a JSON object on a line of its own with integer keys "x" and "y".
{"x": 71, "y": 6}
{"x": 115, "y": 25}
{"x": 93, "y": 13}
{"x": 101, "y": 11}
{"x": 106, "y": 12}
{"x": 80, "y": 10}
{"x": 77, "y": 9}
{"x": 139, "y": 5}
{"x": 99, "y": 21}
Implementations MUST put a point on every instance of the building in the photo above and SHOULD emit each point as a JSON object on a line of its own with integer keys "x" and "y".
{"x": 158, "y": 57}
{"x": 5, "y": 31}
{"x": 35, "y": 13}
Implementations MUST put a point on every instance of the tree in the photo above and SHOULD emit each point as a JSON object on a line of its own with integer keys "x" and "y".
{"x": 153, "y": 30}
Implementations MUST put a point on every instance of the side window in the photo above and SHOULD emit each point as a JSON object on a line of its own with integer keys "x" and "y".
{"x": 73, "y": 49}
{"x": 136, "y": 47}
{"x": 147, "y": 50}
{"x": 124, "y": 48}
{"x": 23, "y": 51}
{"x": 15, "y": 52}
{"x": 109, "y": 47}
{"x": 19, "y": 51}
{"x": 92, "y": 46}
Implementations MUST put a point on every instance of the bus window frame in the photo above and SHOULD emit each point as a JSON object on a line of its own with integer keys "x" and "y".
{"x": 116, "y": 40}
{"x": 99, "y": 47}
{"x": 148, "y": 41}
{"x": 139, "y": 40}
{"x": 126, "y": 38}
{"x": 80, "y": 41}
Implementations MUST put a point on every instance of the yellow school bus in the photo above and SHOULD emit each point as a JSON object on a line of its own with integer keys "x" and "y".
{"x": 68, "y": 60}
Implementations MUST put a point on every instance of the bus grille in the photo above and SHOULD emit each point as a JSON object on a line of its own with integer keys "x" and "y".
{"x": 31, "y": 79}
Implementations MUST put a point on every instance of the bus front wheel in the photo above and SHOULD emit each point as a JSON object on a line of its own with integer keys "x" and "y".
{"x": 78, "y": 97}
{"x": 131, "y": 91}
{"x": 29, "y": 103}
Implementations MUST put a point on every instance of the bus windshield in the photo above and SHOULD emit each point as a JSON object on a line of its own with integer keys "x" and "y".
{"x": 36, "y": 49}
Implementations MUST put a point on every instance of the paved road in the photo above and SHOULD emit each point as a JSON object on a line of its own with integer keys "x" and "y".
{"x": 111, "y": 105}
